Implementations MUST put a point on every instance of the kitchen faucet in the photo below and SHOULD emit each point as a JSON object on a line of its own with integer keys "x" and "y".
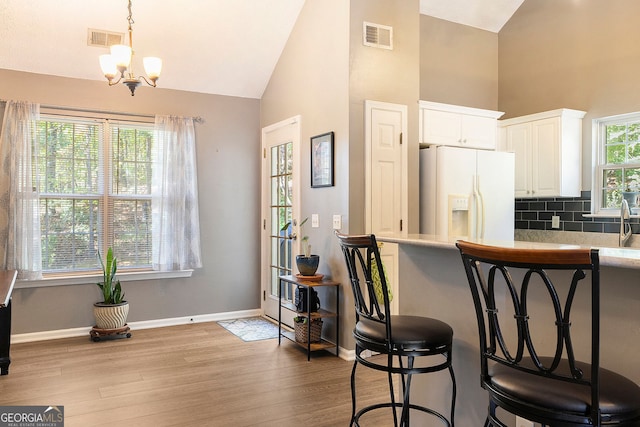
{"x": 625, "y": 226}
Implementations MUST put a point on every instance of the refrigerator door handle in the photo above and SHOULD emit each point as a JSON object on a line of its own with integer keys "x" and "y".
{"x": 479, "y": 208}
{"x": 475, "y": 226}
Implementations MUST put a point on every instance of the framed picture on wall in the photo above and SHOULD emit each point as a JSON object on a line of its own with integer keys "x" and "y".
{"x": 322, "y": 160}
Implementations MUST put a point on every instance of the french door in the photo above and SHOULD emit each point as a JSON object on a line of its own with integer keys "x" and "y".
{"x": 280, "y": 207}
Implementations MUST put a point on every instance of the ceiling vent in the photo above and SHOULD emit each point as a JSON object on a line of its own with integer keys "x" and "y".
{"x": 376, "y": 35}
{"x": 102, "y": 38}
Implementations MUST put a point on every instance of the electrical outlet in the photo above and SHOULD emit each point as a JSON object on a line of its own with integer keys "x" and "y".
{"x": 555, "y": 221}
{"x": 337, "y": 222}
{"x": 521, "y": 422}
{"x": 315, "y": 221}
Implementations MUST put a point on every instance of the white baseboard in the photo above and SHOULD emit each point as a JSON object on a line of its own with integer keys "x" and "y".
{"x": 348, "y": 355}
{"x": 144, "y": 324}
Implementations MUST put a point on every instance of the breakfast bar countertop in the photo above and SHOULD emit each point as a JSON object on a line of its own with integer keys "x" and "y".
{"x": 432, "y": 282}
{"x": 610, "y": 257}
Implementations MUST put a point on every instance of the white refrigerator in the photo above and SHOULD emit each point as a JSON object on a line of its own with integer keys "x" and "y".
{"x": 467, "y": 193}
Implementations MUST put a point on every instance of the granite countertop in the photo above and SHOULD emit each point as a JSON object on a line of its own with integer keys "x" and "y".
{"x": 611, "y": 257}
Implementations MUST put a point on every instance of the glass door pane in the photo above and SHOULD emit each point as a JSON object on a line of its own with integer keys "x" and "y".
{"x": 281, "y": 233}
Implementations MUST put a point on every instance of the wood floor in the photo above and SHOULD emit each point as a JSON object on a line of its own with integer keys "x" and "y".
{"x": 189, "y": 375}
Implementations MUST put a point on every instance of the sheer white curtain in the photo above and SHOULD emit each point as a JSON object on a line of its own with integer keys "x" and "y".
{"x": 19, "y": 205}
{"x": 176, "y": 224}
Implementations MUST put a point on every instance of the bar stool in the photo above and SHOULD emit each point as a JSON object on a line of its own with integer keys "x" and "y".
{"x": 401, "y": 338}
{"x": 550, "y": 385}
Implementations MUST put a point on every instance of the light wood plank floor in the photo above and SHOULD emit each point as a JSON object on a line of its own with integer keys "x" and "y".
{"x": 189, "y": 375}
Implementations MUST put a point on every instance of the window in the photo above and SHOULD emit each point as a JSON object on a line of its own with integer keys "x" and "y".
{"x": 617, "y": 160}
{"x": 94, "y": 184}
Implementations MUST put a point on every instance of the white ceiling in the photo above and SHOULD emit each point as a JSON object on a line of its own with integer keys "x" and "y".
{"x": 488, "y": 15}
{"x": 226, "y": 47}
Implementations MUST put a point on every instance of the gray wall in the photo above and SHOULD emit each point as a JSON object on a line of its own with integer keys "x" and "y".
{"x": 312, "y": 79}
{"x": 228, "y": 178}
{"x": 582, "y": 55}
{"x": 458, "y": 64}
{"x": 388, "y": 76}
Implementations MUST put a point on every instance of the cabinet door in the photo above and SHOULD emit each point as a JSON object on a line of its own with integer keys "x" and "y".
{"x": 478, "y": 132}
{"x": 519, "y": 142}
{"x": 545, "y": 160}
{"x": 441, "y": 127}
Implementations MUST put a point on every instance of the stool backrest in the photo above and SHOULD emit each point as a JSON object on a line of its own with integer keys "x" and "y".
{"x": 514, "y": 274}
{"x": 363, "y": 263}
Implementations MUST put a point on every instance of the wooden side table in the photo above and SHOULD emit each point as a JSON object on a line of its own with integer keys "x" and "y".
{"x": 300, "y": 281}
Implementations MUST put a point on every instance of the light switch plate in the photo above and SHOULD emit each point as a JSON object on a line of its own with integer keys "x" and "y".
{"x": 337, "y": 222}
{"x": 315, "y": 222}
{"x": 555, "y": 221}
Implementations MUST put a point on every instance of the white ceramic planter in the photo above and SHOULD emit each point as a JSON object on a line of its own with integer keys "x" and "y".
{"x": 110, "y": 316}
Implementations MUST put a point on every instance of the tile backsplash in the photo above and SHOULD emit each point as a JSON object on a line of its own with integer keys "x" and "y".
{"x": 536, "y": 213}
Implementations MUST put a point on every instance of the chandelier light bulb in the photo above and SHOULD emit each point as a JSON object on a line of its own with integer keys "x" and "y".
{"x": 121, "y": 55}
{"x": 108, "y": 65}
{"x": 152, "y": 66}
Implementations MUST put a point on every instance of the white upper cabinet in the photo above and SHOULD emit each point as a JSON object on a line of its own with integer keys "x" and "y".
{"x": 458, "y": 126}
{"x": 547, "y": 149}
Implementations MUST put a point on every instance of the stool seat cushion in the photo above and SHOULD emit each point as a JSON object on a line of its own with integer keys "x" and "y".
{"x": 407, "y": 332}
{"x": 619, "y": 396}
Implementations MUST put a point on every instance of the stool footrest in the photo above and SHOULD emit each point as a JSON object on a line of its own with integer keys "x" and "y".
{"x": 399, "y": 405}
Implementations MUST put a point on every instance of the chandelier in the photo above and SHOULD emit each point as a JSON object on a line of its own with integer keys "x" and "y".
{"x": 120, "y": 62}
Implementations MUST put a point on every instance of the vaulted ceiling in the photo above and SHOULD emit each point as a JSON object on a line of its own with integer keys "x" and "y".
{"x": 226, "y": 47}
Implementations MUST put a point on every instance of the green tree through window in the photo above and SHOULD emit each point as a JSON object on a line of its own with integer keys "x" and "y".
{"x": 619, "y": 160}
{"x": 94, "y": 183}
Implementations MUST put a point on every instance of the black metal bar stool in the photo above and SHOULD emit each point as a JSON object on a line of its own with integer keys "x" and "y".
{"x": 542, "y": 380}
{"x": 409, "y": 340}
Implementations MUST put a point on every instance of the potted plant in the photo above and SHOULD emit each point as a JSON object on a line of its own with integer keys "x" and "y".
{"x": 306, "y": 262}
{"x": 112, "y": 311}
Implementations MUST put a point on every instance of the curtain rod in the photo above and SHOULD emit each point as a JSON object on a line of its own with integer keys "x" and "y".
{"x": 196, "y": 119}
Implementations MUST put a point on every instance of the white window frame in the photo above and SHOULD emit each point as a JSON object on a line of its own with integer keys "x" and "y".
{"x": 94, "y": 276}
{"x": 599, "y": 165}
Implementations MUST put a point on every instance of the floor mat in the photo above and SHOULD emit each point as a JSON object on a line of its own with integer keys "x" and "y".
{"x": 251, "y": 328}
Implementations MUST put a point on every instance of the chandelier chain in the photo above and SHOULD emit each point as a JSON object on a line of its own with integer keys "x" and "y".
{"x": 130, "y": 17}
